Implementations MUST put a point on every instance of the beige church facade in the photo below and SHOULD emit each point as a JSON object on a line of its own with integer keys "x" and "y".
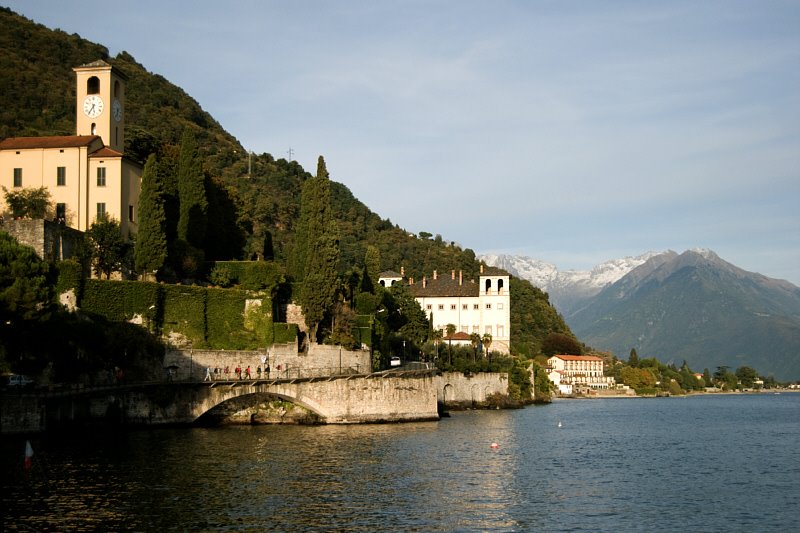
{"x": 86, "y": 174}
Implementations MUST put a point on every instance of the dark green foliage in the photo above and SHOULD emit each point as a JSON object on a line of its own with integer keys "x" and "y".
{"x": 261, "y": 276}
{"x": 747, "y": 376}
{"x": 25, "y": 284}
{"x": 108, "y": 246}
{"x": 317, "y": 250}
{"x": 191, "y": 193}
{"x": 185, "y": 312}
{"x": 560, "y": 343}
{"x": 29, "y": 203}
{"x": 120, "y": 300}
{"x": 633, "y": 360}
{"x": 151, "y": 239}
{"x": 227, "y": 308}
{"x": 70, "y": 276}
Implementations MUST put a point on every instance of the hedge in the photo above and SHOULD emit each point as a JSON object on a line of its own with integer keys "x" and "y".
{"x": 207, "y": 317}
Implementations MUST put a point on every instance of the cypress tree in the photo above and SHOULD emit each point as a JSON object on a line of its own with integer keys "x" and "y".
{"x": 151, "y": 239}
{"x": 317, "y": 251}
{"x": 191, "y": 193}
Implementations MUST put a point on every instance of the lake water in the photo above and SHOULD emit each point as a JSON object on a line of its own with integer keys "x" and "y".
{"x": 704, "y": 463}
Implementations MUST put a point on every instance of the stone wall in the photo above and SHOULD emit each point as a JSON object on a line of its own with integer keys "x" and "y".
{"x": 284, "y": 361}
{"x": 51, "y": 241}
{"x": 456, "y": 389}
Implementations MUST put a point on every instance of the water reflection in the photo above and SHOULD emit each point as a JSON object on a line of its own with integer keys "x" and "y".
{"x": 625, "y": 466}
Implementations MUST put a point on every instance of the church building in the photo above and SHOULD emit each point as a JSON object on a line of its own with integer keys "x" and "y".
{"x": 86, "y": 174}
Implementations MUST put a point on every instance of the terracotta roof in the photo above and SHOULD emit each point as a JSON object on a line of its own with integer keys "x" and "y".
{"x": 578, "y": 357}
{"x": 106, "y": 152}
{"x": 65, "y": 141}
{"x": 443, "y": 286}
{"x": 458, "y": 336}
{"x": 389, "y": 274}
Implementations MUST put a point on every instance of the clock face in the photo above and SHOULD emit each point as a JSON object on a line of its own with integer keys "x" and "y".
{"x": 116, "y": 110}
{"x": 93, "y": 106}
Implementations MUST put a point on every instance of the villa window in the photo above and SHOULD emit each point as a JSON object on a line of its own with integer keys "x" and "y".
{"x": 488, "y": 306}
{"x": 101, "y": 210}
{"x": 61, "y": 176}
{"x": 488, "y": 330}
{"x": 499, "y": 306}
{"x": 428, "y": 307}
{"x": 17, "y": 177}
{"x": 101, "y": 176}
{"x": 130, "y": 213}
{"x": 500, "y": 331}
{"x": 452, "y": 307}
{"x": 464, "y": 307}
{"x": 476, "y": 306}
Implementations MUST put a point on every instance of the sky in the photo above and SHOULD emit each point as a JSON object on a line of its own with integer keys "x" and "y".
{"x": 573, "y": 132}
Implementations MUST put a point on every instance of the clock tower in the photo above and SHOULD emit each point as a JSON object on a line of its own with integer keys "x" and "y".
{"x": 100, "y": 108}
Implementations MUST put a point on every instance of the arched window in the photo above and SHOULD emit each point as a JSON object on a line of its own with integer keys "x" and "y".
{"x": 94, "y": 129}
{"x": 499, "y": 286}
{"x": 488, "y": 286}
{"x": 93, "y": 85}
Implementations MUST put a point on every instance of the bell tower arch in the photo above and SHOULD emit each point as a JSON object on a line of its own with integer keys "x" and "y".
{"x": 100, "y": 103}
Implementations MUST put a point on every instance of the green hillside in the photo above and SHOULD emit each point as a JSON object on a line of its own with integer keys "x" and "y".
{"x": 37, "y": 98}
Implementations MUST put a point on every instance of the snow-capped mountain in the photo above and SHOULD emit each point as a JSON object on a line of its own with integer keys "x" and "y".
{"x": 568, "y": 289}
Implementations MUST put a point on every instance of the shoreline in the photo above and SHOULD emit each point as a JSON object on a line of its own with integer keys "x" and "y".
{"x": 653, "y": 396}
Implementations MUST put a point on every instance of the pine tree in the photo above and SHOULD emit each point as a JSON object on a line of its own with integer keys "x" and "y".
{"x": 191, "y": 193}
{"x": 151, "y": 239}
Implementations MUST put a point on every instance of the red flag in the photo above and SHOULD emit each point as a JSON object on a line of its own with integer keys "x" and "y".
{"x": 28, "y": 455}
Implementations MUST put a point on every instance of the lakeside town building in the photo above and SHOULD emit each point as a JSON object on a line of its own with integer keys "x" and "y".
{"x": 573, "y": 373}
{"x": 86, "y": 174}
{"x": 472, "y": 307}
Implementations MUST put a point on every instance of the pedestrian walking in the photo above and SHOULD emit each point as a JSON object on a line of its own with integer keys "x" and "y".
{"x": 208, "y": 374}
{"x": 247, "y": 372}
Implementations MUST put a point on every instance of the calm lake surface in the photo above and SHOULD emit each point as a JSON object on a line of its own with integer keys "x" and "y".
{"x": 704, "y": 463}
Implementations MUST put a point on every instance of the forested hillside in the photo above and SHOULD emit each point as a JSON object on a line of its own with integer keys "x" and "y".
{"x": 249, "y": 216}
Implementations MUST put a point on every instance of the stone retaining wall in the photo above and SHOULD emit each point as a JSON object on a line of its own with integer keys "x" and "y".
{"x": 457, "y": 389}
{"x": 284, "y": 361}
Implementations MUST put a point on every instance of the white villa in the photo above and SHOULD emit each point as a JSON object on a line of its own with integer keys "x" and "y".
{"x": 473, "y": 307}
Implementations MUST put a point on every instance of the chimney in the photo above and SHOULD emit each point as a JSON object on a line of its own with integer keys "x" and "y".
{"x": 435, "y": 275}
{"x": 403, "y": 271}
{"x": 410, "y": 281}
{"x": 481, "y": 268}
{"x": 424, "y": 282}
{"x": 452, "y": 274}
{"x": 460, "y": 277}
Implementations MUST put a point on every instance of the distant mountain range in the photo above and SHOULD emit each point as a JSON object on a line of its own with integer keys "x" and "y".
{"x": 693, "y": 306}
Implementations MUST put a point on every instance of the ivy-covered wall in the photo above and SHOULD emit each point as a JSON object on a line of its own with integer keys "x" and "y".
{"x": 211, "y": 318}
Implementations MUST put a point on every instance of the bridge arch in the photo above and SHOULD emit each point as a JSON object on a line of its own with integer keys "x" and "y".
{"x": 217, "y": 396}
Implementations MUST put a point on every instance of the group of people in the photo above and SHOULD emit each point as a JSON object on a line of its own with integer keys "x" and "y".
{"x": 214, "y": 374}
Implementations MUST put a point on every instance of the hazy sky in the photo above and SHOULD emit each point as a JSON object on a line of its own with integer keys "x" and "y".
{"x": 569, "y": 131}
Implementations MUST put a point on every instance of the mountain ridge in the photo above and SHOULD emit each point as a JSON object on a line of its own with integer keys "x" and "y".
{"x": 698, "y": 307}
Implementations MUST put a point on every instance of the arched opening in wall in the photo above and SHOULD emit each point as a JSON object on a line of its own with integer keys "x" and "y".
{"x": 257, "y": 409}
{"x": 93, "y": 85}
{"x": 475, "y": 392}
{"x": 116, "y": 89}
{"x": 94, "y": 129}
{"x": 383, "y": 283}
{"x": 499, "y": 286}
{"x": 488, "y": 287}
{"x": 448, "y": 393}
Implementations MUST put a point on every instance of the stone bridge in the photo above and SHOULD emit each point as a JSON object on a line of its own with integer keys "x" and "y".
{"x": 391, "y": 396}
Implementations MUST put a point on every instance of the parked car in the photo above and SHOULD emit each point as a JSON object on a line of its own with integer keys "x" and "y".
{"x": 394, "y": 361}
{"x": 18, "y": 380}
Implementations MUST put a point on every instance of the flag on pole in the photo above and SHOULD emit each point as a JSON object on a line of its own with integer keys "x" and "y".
{"x": 28, "y": 455}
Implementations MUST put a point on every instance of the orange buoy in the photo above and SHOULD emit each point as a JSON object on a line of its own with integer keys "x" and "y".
{"x": 494, "y": 445}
